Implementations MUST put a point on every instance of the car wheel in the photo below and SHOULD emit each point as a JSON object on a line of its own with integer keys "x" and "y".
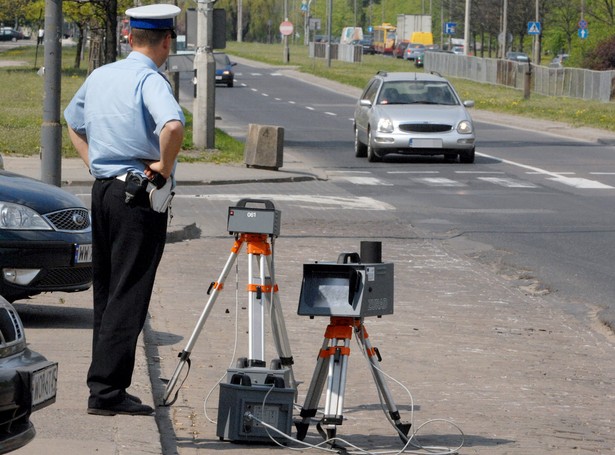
{"x": 467, "y": 157}
{"x": 372, "y": 152}
{"x": 230, "y": 83}
{"x": 360, "y": 149}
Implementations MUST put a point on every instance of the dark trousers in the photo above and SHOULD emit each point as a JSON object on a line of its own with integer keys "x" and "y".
{"x": 128, "y": 242}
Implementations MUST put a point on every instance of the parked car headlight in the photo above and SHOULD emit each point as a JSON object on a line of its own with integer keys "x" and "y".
{"x": 16, "y": 216}
{"x": 385, "y": 125}
{"x": 464, "y": 127}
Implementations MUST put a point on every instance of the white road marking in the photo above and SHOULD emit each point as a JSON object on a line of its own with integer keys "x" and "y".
{"x": 580, "y": 183}
{"x": 366, "y": 181}
{"x": 508, "y": 183}
{"x": 331, "y": 113}
{"x": 413, "y": 172}
{"x": 309, "y": 108}
{"x": 439, "y": 181}
{"x": 314, "y": 202}
{"x": 555, "y": 176}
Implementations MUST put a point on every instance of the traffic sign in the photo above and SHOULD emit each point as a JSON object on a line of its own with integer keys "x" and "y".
{"x": 286, "y": 28}
{"x": 449, "y": 28}
{"x": 583, "y": 32}
{"x": 533, "y": 28}
{"x": 582, "y": 23}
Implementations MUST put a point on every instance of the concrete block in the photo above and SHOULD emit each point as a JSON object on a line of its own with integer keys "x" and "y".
{"x": 264, "y": 146}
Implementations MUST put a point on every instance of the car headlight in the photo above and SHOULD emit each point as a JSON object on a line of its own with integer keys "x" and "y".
{"x": 16, "y": 216}
{"x": 385, "y": 125}
{"x": 464, "y": 127}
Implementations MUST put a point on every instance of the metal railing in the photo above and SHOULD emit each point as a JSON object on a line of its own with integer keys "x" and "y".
{"x": 568, "y": 82}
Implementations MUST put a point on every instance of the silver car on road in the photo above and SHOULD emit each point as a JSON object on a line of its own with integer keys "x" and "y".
{"x": 412, "y": 113}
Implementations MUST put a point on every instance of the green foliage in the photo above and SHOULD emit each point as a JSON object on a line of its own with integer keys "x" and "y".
{"x": 602, "y": 57}
{"x": 21, "y": 98}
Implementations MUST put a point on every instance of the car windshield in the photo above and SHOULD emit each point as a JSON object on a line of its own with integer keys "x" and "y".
{"x": 417, "y": 92}
{"x": 222, "y": 60}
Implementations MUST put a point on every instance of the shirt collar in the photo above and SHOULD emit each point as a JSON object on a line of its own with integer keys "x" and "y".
{"x": 134, "y": 55}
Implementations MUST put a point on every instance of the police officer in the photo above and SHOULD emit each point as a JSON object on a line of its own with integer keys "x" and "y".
{"x": 128, "y": 128}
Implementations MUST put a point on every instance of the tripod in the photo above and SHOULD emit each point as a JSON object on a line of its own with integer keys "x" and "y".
{"x": 260, "y": 254}
{"x": 331, "y": 366}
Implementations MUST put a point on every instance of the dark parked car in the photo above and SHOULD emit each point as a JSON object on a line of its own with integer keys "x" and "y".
{"x": 414, "y": 114}
{"x": 10, "y": 34}
{"x": 367, "y": 44}
{"x": 45, "y": 239}
{"x": 28, "y": 382}
{"x": 224, "y": 69}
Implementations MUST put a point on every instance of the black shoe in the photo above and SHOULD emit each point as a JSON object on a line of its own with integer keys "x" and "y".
{"x": 134, "y": 398}
{"x": 126, "y": 407}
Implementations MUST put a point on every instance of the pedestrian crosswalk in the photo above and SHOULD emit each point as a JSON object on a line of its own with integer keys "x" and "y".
{"x": 469, "y": 178}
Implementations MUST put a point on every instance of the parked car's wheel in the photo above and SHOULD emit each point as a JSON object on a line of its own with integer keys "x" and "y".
{"x": 467, "y": 157}
{"x": 372, "y": 152}
{"x": 360, "y": 149}
{"x": 230, "y": 83}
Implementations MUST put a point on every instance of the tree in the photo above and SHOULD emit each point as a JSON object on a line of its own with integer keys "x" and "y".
{"x": 602, "y": 57}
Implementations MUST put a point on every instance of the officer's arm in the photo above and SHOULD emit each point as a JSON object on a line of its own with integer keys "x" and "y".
{"x": 80, "y": 142}
{"x": 171, "y": 138}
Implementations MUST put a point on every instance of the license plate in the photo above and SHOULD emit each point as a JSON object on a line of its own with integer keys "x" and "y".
{"x": 43, "y": 386}
{"x": 426, "y": 143}
{"x": 218, "y": 78}
{"x": 83, "y": 254}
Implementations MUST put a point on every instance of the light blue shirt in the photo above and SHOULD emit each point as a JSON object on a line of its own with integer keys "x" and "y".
{"x": 122, "y": 108}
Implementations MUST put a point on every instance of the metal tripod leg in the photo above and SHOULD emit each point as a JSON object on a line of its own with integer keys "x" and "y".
{"x": 278, "y": 326}
{"x": 373, "y": 355}
{"x": 184, "y": 356}
{"x": 331, "y": 368}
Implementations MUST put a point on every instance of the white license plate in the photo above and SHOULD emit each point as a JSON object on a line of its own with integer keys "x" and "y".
{"x": 426, "y": 143}
{"x": 218, "y": 78}
{"x": 83, "y": 254}
{"x": 43, "y": 385}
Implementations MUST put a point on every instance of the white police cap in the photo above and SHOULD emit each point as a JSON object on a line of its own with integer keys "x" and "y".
{"x": 153, "y": 17}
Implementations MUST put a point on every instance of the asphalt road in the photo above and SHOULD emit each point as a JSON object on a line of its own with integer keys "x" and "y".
{"x": 537, "y": 207}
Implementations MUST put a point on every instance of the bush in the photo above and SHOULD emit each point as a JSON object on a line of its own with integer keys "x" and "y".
{"x": 602, "y": 57}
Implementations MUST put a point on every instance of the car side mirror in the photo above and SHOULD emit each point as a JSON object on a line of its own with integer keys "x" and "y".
{"x": 365, "y": 103}
{"x": 468, "y": 103}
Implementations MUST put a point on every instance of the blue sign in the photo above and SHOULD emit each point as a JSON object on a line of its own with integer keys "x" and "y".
{"x": 533, "y": 28}
{"x": 582, "y": 23}
{"x": 583, "y": 32}
{"x": 449, "y": 28}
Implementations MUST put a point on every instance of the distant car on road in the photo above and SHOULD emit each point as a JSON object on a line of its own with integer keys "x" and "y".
{"x": 413, "y": 50}
{"x": 412, "y": 113}
{"x": 400, "y": 49}
{"x": 558, "y": 61}
{"x": 518, "y": 57}
{"x": 224, "y": 69}
{"x": 28, "y": 381}
{"x": 45, "y": 239}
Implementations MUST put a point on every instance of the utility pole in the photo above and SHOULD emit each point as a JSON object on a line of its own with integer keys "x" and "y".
{"x": 466, "y": 31}
{"x": 51, "y": 130}
{"x": 286, "y": 56}
{"x": 203, "y": 127}
{"x": 239, "y": 21}
{"x": 504, "y": 41}
{"x": 537, "y": 39}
